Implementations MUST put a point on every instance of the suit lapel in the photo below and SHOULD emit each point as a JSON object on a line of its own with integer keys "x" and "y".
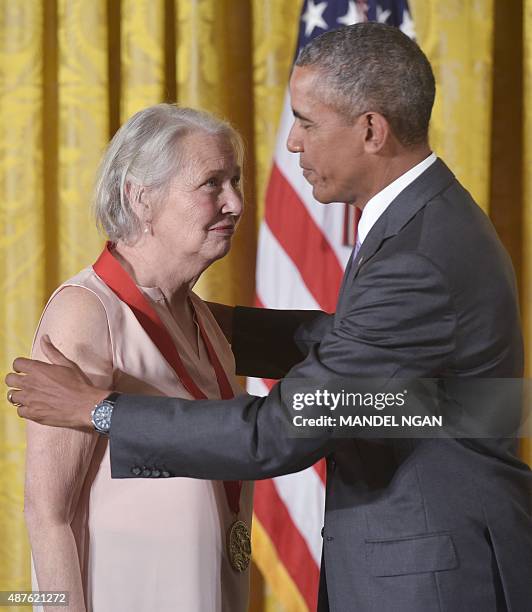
{"x": 402, "y": 209}
{"x": 347, "y": 274}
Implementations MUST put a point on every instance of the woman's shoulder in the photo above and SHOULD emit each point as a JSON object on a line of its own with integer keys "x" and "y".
{"x": 78, "y": 298}
{"x": 75, "y": 302}
{"x": 75, "y": 311}
{"x": 85, "y": 294}
{"x": 75, "y": 319}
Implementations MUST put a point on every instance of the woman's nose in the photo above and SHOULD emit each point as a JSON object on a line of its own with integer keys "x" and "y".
{"x": 233, "y": 203}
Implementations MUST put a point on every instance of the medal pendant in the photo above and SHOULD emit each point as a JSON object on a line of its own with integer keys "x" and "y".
{"x": 239, "y": 546}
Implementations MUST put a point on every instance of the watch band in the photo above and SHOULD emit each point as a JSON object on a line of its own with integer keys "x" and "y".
{"x": 112, "y": 397}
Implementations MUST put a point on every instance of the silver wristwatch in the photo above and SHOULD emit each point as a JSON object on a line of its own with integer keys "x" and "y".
{"x": 102, "y": 414}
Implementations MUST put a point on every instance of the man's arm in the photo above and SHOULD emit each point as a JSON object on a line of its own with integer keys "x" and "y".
{"x": 398, "y": 321}
{"x": 246, "y": 438}
{"x": 267, "y": 343}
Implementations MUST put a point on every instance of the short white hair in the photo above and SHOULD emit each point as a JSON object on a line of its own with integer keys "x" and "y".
{"x": 145, "y": 152}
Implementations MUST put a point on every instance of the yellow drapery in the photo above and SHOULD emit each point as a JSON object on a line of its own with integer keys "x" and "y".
{"x": 526, "y": 218}
{"x": 73, "y": 70}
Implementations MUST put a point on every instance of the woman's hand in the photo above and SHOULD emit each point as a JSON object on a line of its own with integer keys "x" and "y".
{"x": 57, "y": 393}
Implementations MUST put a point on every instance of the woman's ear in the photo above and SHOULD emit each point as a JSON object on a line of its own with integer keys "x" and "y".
{"x": 137, "y": 197}
{"x": 140, "y": 203}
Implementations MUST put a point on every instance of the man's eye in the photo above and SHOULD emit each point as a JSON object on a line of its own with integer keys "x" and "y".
{"x": 235, "y": 181}
{"x": 303, "y": 125}
{"x": 212, "y": 182}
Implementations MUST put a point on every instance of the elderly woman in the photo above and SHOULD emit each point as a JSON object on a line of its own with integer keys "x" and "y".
{"x": 168, "y": 196}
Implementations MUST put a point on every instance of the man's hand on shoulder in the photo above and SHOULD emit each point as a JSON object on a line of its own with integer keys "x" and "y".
{"x": 56, "y": 394}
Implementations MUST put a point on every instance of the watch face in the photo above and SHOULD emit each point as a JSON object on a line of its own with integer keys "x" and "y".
{"x": 102, "y": 416}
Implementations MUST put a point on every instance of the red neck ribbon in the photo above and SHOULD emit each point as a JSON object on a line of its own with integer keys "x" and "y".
{"x": 109, "y": 269}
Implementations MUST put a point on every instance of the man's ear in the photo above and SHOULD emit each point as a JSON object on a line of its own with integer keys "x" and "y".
{"x": 377, "y": 132}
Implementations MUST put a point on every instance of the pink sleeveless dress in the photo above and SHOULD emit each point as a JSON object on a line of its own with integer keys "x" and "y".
{"x": 157, "y": 544}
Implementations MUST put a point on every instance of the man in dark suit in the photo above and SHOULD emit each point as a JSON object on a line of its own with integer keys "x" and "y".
{"x": 424, "y": 524}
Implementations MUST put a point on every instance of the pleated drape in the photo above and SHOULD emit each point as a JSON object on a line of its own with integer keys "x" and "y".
{"x": 143, "y": 50}
{"x": 73, "y": 70}
{"x": 526, "y": 167}
{"x": 22, "y": 253}
{"x": 457, "y": 38}
{"x": 215, "y": 72}
{"x": 83, "y": 127}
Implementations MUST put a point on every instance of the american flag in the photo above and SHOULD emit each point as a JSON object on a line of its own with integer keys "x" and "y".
{"x": 303, "y": 249}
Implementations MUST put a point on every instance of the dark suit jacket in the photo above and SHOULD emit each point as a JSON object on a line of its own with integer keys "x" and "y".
{"x": 410, "y": 525}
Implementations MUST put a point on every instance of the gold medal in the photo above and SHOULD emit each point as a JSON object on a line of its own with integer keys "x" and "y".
{"x": 239, "y": 546}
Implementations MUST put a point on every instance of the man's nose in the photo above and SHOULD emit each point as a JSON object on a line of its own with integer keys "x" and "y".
{"x": 294, "y": 143}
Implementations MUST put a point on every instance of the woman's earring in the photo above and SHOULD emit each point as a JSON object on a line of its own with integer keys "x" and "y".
{"x": 147, "y": 227}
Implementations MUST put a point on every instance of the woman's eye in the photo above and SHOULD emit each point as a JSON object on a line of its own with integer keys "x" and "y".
{"x": 235, "y": 181}
{"x": 212, "y": 182}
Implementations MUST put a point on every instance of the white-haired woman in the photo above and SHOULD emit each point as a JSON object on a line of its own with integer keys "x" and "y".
{"x": 168, "y": 196}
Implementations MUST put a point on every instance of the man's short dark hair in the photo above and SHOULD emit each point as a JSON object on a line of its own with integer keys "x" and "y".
{"x": 373, "y": 66}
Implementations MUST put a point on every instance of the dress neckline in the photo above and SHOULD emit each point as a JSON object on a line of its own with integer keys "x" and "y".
{"x": 156, "y": 294}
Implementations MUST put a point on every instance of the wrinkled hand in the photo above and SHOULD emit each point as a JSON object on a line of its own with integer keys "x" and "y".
{"x": 56, "y": 393}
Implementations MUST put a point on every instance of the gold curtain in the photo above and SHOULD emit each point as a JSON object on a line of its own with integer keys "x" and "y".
{"x": 22, "y": 256}
{"x": 457, "y": 36}
{"x": 73, "y": 70}
{"x": 525, "y": 118}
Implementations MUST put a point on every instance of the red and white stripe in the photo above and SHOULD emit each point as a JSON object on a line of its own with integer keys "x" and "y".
{"x": 301, "y": 258}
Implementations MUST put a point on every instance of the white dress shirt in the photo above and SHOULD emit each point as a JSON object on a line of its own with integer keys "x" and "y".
{"x": 380, "y": 201}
